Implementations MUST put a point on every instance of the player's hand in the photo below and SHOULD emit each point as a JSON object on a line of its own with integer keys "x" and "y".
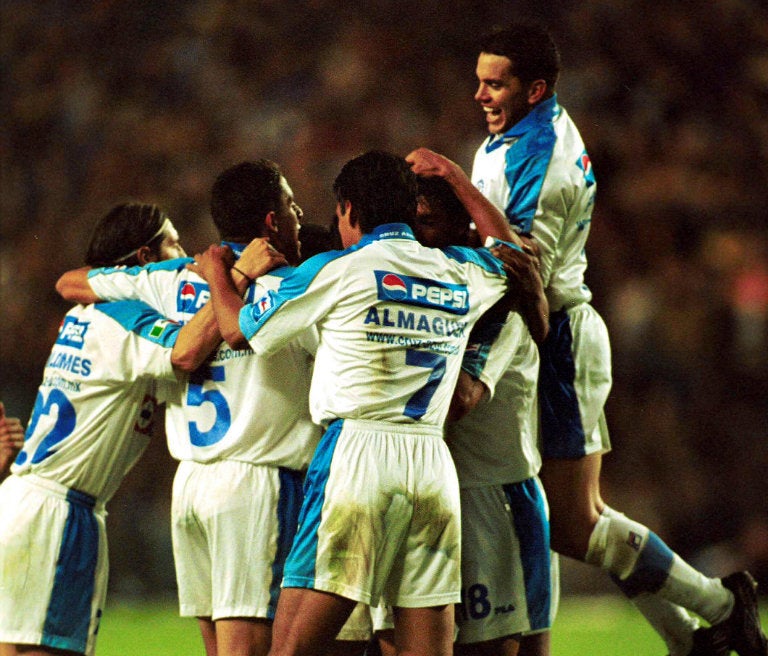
{"x": 215, "y": 260}
{"x": 11, "y": 439}
{"x": 522, "y": 269}
{"x": 430, "y": 164}
{"x": 259, "y": 257}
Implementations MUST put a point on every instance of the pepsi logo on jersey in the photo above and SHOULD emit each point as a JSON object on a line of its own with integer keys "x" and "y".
{"x": 422, "y": 292}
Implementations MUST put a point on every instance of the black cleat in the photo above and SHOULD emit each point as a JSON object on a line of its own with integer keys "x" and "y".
{"x": 710, "y": 641}
{"x": 743, "y": 625}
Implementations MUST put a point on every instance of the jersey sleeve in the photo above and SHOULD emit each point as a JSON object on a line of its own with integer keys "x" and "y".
{"x": 489, "y": 352}
{"x": 144, "y": 349}
{"x": 303, "y": 298}
{"x": 157, "y": 284}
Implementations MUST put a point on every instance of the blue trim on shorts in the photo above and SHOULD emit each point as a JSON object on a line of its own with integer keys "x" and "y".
{"x": 529, "y": 514}
{"x": 69, "y": 610}
{"x": 562, "y": 433}
{"x": 288, "y": 507}
{"x": 301, "y": 562}
{"x": 652, "y": 568}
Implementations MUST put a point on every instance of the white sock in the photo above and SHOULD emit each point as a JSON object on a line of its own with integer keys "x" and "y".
{"x": 642, "y": 563}
{"x": 670, "y": 621}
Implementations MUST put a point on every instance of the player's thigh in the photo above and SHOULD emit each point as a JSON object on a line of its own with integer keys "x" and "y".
{"x": 424, "y": 631}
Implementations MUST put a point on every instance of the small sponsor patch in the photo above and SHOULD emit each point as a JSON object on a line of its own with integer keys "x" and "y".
{"x": 585, "y": 164}
{"x": 72, "y": 332}
{"x": 635, "y": 540}
{"x": 158, "y": 328}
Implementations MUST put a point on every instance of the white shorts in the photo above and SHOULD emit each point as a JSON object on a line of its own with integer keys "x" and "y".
{"x": 53, "y": 565}
{"x": 365, "y": 621}
{"x": 574, "y": 383}
{"x": 232, "y": 526}
{"x": 505, "y": 566}
{"x": 381, "y": 517}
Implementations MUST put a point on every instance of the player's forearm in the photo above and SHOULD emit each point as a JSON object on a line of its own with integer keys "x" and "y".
{"x": 535, "y": 311}
{"x": 73, "y": 286}
{"x": 490, "y": 221}
{"x": 227, "y": 301}
{"x": 468, "y": 393}
{"x": 196, "y": 340}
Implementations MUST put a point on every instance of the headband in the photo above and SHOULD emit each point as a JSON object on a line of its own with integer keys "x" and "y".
{"x": 165, "y": 225}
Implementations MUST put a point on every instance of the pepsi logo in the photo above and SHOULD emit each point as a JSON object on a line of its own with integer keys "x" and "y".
{"x": 394, "y": 286}
{"x": 187, "y": 292}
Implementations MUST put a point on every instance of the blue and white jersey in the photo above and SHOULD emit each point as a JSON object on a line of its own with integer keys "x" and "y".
{"x": 496, "y": 443}
{"x": 540, "y": 175}
{"x": 238, "y": 405}
{"x": 94, "y": 407}
{"x": 393, "y": 318}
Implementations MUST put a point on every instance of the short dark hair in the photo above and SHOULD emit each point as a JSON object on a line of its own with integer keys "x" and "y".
{"x": 124, "y": 230}
{"x": 440, "y": 196}
{"x": 242, "y": 196}
{"x": 530, "y": 48}
{"x": 381, "y": 187}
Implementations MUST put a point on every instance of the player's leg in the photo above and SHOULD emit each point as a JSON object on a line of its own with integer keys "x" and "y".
{"x": 208, "y": 633}
{"x": 537, "y": 644}
{"x": 424, "y": 631}
{"x": 575, "y": 504}
{"x": 509, "y": 646}
{"x": 243, "y": 636}
{"x": 386, "y": 642}
{"x": 308, "y": 621}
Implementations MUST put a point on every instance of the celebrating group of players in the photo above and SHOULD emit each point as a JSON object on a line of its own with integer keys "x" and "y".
{"x": 389, "y": 440}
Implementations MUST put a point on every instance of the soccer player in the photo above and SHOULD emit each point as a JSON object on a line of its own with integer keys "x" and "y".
{"x": 534, "y": 167}
{"x": 11, "y": 440}
{"x": 507, "y": 590}
{"x": 380, "y": 517}
{"x": 240, "y": 427}
{"x": 90, "y": 423}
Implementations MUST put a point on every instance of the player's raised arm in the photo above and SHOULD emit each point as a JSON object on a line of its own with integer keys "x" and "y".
{"x": 526, "y": 288}
{"x": 74, "y": 286}
{"x": 490, "y": 221}
{"x": 229, "y": 280}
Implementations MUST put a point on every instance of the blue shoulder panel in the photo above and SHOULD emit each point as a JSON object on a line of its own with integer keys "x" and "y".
{"x": 482, "y": 257}
{"x": 527, "y": 162}
{"x": 167, "y": 265}
{"x": 293, "y": 284}
{"x": 137, "y": 317}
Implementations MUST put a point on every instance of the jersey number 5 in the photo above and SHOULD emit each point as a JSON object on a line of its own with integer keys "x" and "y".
{"x": 196, "y": 396}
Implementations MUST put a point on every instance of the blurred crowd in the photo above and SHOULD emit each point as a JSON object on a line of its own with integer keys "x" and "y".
{"x": 107, "y": 101}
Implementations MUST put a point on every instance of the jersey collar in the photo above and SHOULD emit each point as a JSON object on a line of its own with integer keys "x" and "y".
{"x": 542, "y": 113}
{"x": 388, "y": 231}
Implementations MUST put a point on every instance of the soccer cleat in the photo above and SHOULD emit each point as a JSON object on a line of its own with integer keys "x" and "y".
{"x": 743, "y": 625}
{"x": 710, "y": 641}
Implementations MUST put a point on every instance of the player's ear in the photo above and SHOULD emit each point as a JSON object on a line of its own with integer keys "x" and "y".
{"x": 145, "y": 255}
{"x": 352, "y": 216}
{"x": 537, "y": 91}
{"x": 270, "y": 221}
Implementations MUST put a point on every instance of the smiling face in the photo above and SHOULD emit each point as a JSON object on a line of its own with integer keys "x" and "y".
{"x": 502, "y": 95}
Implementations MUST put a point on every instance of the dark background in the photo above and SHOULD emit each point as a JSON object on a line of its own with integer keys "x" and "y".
{"x": 105, "y": 101}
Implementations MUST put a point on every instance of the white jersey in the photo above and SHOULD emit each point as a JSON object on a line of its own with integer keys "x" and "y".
{"x": 539, "y": 174}
{"x": 393, "y": 318}
{"x": 238, "y": 405}
{"x": 94, "y": 408}
{"x": 496, "y": 443}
